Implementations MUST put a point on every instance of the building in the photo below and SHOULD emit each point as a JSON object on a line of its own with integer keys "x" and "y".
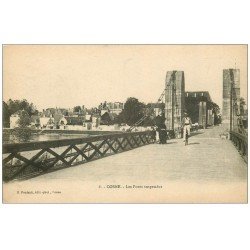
{"x": 107, "y": 118}
{"x": 115, "y": 107}
{"x": 91, "y": 122}
{"x": 72, "y": 123}
{"x": 62, "y": 122}
{"x": 46, "y": 122}
{"x": 200, "y": 108}
{"x": 96, "y": 120}
{"x": 174, "y": 100}
{"x": 112, "y": 107}
{"x": 203, "y": 114}
{"x": 231, "y": 96}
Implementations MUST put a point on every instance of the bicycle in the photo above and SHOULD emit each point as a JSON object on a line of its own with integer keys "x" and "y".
{"x": 186, "y": 140}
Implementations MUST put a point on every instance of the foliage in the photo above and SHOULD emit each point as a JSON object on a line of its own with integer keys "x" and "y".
{"x": 192, "y": 108}
{"x": 160, "y": 120}
{"x": 6, "y": 115}
{"x": 17, "y": 105}
{"x": 242, "y": 101}
{"x": 77, "y": 109}
{"x": 216, "y": 111}
{"x": 22, "y": 132}
{"x": 149, "y": 121}
{"x": 13, "y": 106}
{"x": 217, "y": 119}
{"x": 242, "y": 106}
{"x": 119, "y": 119}
{"x": 151, "y": 106}
{"x": 81, "y": 110}
{"x": 24, "y": 119}
{"x": 133, "y": 111}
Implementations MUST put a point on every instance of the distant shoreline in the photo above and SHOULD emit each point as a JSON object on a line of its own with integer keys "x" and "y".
{"x": 35, "y": 132}
{"x": 65, "y": 131}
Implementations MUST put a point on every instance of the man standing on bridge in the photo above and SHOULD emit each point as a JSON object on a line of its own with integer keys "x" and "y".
{"x": 186, "y": 124}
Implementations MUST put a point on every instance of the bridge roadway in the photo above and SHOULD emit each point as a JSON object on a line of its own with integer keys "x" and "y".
{"x": 208, "y": 170}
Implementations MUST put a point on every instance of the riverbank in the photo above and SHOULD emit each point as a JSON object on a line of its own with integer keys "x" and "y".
{"x": 52, "y": 134}
{"x": 63, "y": 131}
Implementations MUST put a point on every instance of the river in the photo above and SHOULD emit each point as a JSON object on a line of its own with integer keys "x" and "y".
{"x": 8, "y": 138}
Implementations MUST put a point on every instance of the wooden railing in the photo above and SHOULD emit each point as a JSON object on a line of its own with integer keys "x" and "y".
{"x": 29, "y": 159}
{"x": 240, "y": 142}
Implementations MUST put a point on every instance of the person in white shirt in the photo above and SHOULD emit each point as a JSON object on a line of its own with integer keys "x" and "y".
{"x": 186, "y": 124}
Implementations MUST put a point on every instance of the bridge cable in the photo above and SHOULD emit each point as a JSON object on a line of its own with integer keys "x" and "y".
{"x": 160, "y": 99}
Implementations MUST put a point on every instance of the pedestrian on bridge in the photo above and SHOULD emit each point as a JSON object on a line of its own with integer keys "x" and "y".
{"x": 162, "y": 134}
{"x": 153, "y": 136}
{"x": 186, "y": 125}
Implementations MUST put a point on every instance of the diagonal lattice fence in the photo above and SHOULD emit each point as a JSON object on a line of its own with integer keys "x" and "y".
{"x": 240, "y": 141}
{"x": 26, "y": 160}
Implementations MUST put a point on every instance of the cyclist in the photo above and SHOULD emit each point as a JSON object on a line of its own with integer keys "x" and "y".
{"x": 186, "y": 124}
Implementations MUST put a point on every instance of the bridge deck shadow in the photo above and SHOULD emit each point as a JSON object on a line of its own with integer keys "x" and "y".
{"x": 193, "y": 143}
{"x": 171, "y": 142}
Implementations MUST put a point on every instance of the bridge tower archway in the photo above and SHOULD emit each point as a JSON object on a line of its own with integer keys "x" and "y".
{"x": 174, "y": 100}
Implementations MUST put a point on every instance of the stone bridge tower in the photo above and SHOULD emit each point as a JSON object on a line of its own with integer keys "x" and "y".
{"x": 231, "y": 97}
{"x": 175, "y": 100}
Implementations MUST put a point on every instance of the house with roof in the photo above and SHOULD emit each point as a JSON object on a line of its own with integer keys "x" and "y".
{"x": 115, "y": 107}
{"x": 51, "y": 118}
{"x": 107, "y": 118}
{"x": 72, "y": 122}
{"x": 62, "y": 122}
{"x": 112, "y": 107}
{"x": 200, "y": 107}
{"x": 91, "y": 122}
{"x": 58, "y": 120}
{"x": 46, "y": 122}
{"x": 96, "y": 120}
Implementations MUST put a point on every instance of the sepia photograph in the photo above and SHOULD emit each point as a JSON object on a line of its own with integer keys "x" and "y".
{"x": 125, "y": 123}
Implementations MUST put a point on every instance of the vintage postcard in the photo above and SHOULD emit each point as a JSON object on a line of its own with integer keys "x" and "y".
{"x": 125, "y": 124}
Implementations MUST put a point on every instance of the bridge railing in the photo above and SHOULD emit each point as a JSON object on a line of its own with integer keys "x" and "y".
{"x": 240, "y": 142}
{"x": 29, "y": 159}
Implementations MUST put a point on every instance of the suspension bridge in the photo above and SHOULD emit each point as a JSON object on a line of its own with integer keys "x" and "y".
{"x": 120, "y": 166}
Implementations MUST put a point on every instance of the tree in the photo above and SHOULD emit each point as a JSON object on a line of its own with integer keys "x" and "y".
{"x": 133, "y": 111}
{"x": 242, "y": 105}
{"x": 160, "y": 120}
{"x": 24, "y": 119}
{"x": 149, "y": 121}
{"x": 77, "y": 109}
{"x": 22, "y": 132}
{"x": 17, "y": 105}
{"x": 12, "y": 107}
{"x": 119, "y": 119}
{"x": 216, "y": 111}
{"x": 242, "y": 101}
{"x": 192, "y": 107}
{"x": 6, "y": 115}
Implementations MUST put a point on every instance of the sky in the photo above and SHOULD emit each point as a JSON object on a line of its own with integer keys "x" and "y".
{"x": 69, "y": 75}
